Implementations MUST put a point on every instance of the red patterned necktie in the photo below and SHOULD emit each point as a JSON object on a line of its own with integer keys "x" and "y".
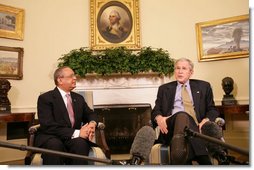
{"x": 70, "y": 109}
{"x": 187, "y": 103}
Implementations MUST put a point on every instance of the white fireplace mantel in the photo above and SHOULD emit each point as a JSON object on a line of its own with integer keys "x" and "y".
{"x": 122, "y": 90}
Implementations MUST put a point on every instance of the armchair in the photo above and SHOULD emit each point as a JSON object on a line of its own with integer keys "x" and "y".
{"x": 103, "y": 152}
{"x": 160, "y": 154}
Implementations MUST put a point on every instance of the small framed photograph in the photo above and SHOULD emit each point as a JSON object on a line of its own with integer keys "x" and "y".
{"x": 221, "y": 39}
{"x": 114, "y": 23}
{"x": 11, "y": 62}
{"x": 11, "y": 22}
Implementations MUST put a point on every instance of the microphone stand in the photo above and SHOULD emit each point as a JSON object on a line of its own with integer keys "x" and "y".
{"x": 189, "y": 132}
{"x": 48, "y": 151}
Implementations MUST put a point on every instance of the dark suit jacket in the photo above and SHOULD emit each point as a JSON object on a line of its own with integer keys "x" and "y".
{"x": 202, "y": 97}
{"x": 54, "y": 119}
{"x": 203, "y": 103}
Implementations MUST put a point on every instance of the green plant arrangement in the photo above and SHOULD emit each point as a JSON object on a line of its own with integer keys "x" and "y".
{"x": 118, "y": 60}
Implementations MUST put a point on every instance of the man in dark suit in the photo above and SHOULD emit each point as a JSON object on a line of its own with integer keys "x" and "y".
{"x": 170, "y": 116}
{"x": 59, "y": 130}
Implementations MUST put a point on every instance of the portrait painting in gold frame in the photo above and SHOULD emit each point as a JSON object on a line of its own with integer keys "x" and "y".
{"x": 114, "y": 23}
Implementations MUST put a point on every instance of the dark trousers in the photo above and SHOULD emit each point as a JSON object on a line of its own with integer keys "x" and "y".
{"x": 184, "y": 150}
{"x": 77, "y": 146}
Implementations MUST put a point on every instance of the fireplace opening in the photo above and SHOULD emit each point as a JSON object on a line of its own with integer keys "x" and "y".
{"x": 122, "y": 123}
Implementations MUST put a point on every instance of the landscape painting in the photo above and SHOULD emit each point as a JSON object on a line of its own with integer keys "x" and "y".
{"x": 11, "y": 62}
{"x": 223, "y": 39}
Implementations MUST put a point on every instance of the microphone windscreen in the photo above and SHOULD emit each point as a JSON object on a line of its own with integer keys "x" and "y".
{"x": 212, "y": 129}
{"x": 143, "y": 142}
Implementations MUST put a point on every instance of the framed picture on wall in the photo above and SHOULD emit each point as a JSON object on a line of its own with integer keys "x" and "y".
{"x": 11, "y": 62}
{"x": 114, "y": 23}
{"x": 11, "y": 22}
{"x": 226, "y": 38}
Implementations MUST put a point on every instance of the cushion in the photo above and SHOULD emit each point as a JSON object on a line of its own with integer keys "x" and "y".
{"x": 160, "y": 155}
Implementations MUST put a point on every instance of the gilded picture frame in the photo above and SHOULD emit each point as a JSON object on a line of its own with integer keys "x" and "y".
{"x": 221, "y": 39}
{"x": 11, "y": 62}
{"x": 11, "y": 22}
{"x": 107, "y": 32}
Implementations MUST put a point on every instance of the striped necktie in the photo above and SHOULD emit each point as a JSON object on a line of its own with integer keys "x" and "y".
{"x": 70, "y": 109}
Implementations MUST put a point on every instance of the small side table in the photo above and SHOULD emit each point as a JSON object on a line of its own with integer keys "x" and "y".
{"x": 233, "y": 109}
{"x": 18, "y": 117}
{"x": 237, "y": 126}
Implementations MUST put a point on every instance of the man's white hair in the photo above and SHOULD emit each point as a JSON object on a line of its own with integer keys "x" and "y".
{"x": 115, "y": 13}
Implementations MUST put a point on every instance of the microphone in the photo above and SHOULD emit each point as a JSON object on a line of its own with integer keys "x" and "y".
{"x": 191, "y": 133}
{"x": 142, "y": 145}
{"x": 53, "y": 152}
{"x": 212, "y": 129}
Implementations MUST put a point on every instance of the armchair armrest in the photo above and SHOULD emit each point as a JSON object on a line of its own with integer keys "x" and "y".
{"x": 103, "y": 142}
{"x": 32, "y": 131}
